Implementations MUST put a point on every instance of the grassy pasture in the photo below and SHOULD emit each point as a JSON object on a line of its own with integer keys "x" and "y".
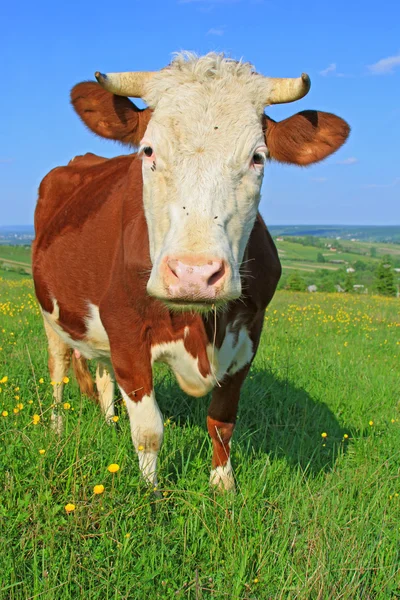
{"x": 315, "y": 517}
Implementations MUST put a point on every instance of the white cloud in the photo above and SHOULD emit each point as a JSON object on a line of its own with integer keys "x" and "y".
{"x": 385, "y": 66}
{"x": 330, "y": 69}
{"x": 215, "y": 31}
{"x": 383, "y": 185}
{"x": 208, "y": 1}
{"x": 319, "y": 179}
{"x": 352, "y": 160}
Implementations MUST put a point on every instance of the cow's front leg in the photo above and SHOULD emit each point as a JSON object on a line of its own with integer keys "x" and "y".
{"x": 147, "y": 430}
{"x": 220, "y": 424}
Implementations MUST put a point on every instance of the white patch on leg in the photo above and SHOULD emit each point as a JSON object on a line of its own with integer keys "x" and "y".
{"x": 105, "y": 387}
{"x": 222, "y": 477}
{"x": 147, "y": 430}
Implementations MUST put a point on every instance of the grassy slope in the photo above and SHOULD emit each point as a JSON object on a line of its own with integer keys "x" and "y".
{"x": 313, "y": 517}
{"x": 305, "y": 257}
{"x": 18, "y": 253}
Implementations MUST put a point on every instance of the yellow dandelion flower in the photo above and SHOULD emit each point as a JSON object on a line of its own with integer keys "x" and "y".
{"x": 346, "y": 436}
{"x": 392, "y": 420}
{"x": 115, "y": 419}
{"x": 65, "y": 379}
{"x": 16, "y": 397}
{"x": 370, "y": 423}
{"x": 30, "y": 401}
{"x": 35, "y": 419}
{"x": 113, "y": 468}
{"x": 324, "y": 435}
{"x": 42, "y": 451}
{"x": 66, "y": 406}
{"x": 16, "y": 389}
{"x": 256, "y": 580}
{"x": 127, "y": 535}
{"x": 4, "y": 379}
{"x": 4, "y": 413}
{"x": 53, "y": 382}
{"x": 140, "y": 448}
{"x": 15, "y": 411}
{"x": 20, "y": 405}
{"x": 69, "y": 507}
{"x": 41, "y": 380}
{"x": 98, "y": 489}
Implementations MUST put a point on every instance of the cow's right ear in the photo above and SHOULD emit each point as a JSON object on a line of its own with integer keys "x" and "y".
{"x": 110, "y": 116}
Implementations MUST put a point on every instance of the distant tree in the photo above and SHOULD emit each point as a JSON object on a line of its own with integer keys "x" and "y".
{"x": 372, "y": 251}
{"x": 349, "y": 283}
{"x": 360, "y": 265}
{"x": 295, "y": 282}
{"x": 320, "y": 257}
{"x": 384, "y": 278}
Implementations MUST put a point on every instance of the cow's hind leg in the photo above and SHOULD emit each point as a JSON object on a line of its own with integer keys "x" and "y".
{"x": 220, "y": 424}
{"x": 105, "y": 388}
{"x": 59, "y": 363}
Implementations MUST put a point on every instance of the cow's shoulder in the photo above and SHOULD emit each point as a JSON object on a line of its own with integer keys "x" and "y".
{"x": 75, "y": 192}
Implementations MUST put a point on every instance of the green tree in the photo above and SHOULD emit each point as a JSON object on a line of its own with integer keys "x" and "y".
{"x": 320, "y": 257}
{"x": 295, "y": 282}
{"x": 384, "y": 278}
{"x": 349, "y": 283}
{"x": 372, "y": 251}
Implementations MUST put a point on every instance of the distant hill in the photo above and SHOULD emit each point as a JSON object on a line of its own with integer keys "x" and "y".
{"x": 24, "y": 234}
{"x": 366, "y": 233}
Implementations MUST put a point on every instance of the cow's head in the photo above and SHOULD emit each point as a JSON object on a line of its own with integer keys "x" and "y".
{"x": 204, "y": 142}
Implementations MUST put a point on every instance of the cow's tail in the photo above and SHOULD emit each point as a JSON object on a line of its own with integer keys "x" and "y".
{"x": 83, "y": 376}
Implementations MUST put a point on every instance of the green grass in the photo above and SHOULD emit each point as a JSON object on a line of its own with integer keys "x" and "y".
{"x": 313, "y": 518}
{"x": 18, "y": 253}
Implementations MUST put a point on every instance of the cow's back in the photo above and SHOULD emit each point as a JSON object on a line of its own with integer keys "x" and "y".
{"x": 78, "y": 226}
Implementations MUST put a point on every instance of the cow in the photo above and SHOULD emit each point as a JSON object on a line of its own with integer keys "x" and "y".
{"x": 161, "y": 255}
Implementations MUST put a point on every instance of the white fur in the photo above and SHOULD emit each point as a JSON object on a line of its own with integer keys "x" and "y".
{"x": 203, "y": 195}
{"x": 105, "y": 387}
{"x": 147, "y": 432}
{"x": 95, "y": 344}
{"x": 233, "y": 355}
{"x": 222, "y": 477}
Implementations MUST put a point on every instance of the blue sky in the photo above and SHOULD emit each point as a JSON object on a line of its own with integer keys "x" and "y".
{"x": 351, "y": 50}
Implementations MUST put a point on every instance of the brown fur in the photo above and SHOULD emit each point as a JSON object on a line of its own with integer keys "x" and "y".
{"x": 305, "y": 138}
{"x": 109, "y": 116}
{"x": 84, "y": 377}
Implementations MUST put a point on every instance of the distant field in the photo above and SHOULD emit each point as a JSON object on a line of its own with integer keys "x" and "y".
{"x": 316, "y": 454}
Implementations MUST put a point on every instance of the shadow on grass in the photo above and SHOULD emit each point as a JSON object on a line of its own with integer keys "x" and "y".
{"x": 275, "y": 418}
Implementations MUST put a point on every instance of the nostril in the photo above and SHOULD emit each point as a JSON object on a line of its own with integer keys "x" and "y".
{"x": 173, "y": 265}
{"x": 218, "y": 275}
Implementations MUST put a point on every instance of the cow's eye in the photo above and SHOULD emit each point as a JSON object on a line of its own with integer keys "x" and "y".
{"x": 148, "y": 151}
{"x": 258, "y": 159}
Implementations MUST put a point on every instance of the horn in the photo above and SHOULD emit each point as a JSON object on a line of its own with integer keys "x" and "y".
{"x": 287, "y": 89}
{"x": 125, "y": 84}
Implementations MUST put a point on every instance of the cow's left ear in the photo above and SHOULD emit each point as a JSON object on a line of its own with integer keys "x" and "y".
{"x": 305, "y": 138}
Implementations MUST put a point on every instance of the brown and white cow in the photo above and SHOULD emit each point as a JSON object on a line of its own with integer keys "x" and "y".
{"x": 161, "y": 255}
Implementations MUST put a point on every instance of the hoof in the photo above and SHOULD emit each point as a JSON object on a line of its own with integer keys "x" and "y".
{"x": 222, "y": 480}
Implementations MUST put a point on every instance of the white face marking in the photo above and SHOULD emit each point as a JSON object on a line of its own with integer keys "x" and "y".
{"x": 201, "y": 187}
{"x": 95, "y": 344}
{"x": 147, "y": 430}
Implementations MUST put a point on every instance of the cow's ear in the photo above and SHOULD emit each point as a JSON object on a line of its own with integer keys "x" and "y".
{"x": 112, "y": 117}
{"x": 305, "y": 138}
